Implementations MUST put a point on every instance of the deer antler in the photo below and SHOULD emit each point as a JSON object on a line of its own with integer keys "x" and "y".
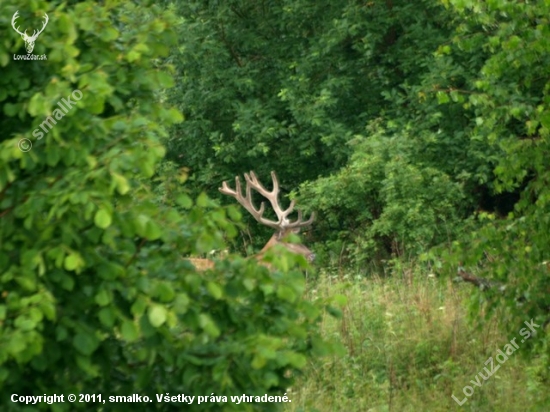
{"x": 29, "y": 40}
{"x": 252, "y": 182}
{"x": 15, "y": 16}
{"x": 46, "y": 20}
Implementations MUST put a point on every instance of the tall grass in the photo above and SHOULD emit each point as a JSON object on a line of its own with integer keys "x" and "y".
{"x": 409, "y": 347}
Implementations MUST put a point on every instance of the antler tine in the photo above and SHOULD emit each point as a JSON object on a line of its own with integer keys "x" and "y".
{"x": 252, "y": 179}
{"x": 273, "y": 197}
{"x": 47, "y": 19}
{"x": 15, "y": 16}
{"x": 35, "y": 32}
{"x": 252, "y": 182}
{"x": 298, "y": 223}
{"x": 247, "y": 203}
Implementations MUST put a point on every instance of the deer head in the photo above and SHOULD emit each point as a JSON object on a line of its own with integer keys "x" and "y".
{"x": 283, "y": 225}
{"x": 29, "y": 40}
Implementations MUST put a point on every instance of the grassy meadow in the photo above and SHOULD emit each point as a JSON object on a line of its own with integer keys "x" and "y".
{"x": 409, "y": 346}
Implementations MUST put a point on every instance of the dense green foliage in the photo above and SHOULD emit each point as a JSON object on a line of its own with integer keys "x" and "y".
{"x": 286, "y": 85}
{"x": 418, "y": 131}
{"x": 384, "y": 200}
{"x": 414, "y": 125}
{"x": 510, "y": 98}
{"x": 292, "y": 87}
{"x": 95, "y": 296}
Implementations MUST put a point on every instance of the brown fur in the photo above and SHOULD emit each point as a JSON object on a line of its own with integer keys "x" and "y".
{"x": 201, "y": 264}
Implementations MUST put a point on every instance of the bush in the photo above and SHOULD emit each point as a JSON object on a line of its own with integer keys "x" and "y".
{"x": 95, "y": 296}
{"x": 386, "y": 202}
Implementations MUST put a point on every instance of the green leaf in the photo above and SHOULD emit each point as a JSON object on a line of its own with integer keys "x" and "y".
{"x": 107, "y": 316}
{"x": 129, "y": 331}
{"x": 102, "y": 219}
{"x": 443, "y": 97}
{"x": 87, "y": 366}
{"x": 286, "y": 293}
{"x": 108, "y": 34}
{"x": 206, "y": 322}
{"x": 215, "y": 290}
{"x": 16, "y": 343}
{"x": 234, "y": 213}
{"x": 53, "y": 155}
{"x": 85, "y": 343}
{"x": 152, "y": 230}
{"x": 157, "y": 315}
{"x": 11, "y": 109}
{"x": 24, "y": 323}
{"x": 181, "y": 303}
{"x": 296, "y": 360}
{"x": 121, "y": 183}
{"x": 73, "y": 261}
{"x": 139, "y": 306}
{"x": 164, "y": 291}
{"x": 165, "y": 80}
{"x": 184, "y": 201}
{"x": 140, "y": 223}
{"x": 110, "y": 271}
{"x": 258, "y": 361}
{"x": 103, "y": 297}
{"x": 37, "y": 105}
{"x": 202, "y": 200}
{"x": 133, "y": 56}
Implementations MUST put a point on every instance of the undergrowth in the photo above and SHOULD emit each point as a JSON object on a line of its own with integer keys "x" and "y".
{"x": 409, "y": 347}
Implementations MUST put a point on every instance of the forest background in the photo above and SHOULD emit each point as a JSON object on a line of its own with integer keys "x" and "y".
{"x": 418, "y": 132}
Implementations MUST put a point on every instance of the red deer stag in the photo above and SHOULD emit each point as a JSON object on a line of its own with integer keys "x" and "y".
{"x": 283, "y": 225}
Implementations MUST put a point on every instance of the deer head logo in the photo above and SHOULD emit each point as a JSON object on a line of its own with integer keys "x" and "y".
{"x": 29, "y": 40}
